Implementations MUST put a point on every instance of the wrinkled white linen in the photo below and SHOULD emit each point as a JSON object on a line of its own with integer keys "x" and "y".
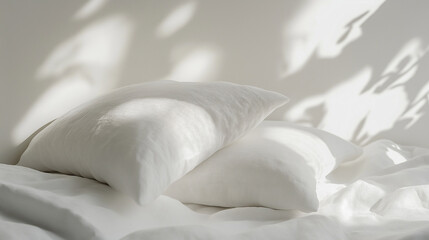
{"x": 384, "y": 194}
{"x": 141, "y": 138}
{"x": 277, "y": 165}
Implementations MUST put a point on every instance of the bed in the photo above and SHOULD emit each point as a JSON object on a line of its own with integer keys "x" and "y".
{"x": 379, "y": 191}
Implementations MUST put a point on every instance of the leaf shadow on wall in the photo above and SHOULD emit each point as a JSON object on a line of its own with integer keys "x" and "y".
{"x": 376, "y": 88}
{"x": 212, "y": 41}
{"x": 63, "y": 69}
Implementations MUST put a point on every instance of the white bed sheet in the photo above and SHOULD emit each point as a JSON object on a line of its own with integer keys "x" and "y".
{"x": 382, "y": 195}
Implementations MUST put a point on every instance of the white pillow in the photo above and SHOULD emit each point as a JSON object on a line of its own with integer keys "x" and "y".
{"x": 139, "y": 139}
{"x": 277, "y": 165}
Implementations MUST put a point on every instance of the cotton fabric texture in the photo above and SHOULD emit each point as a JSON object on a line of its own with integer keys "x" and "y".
{"x": 277, "y": 165}
{"x": 141, "y": 138}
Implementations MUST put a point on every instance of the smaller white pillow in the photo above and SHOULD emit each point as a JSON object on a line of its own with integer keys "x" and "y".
{"x": 141, "y": 138}
{"x": 277, "y": 165}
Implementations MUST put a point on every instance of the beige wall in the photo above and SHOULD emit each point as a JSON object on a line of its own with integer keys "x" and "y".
{"x": 358, "y": 68}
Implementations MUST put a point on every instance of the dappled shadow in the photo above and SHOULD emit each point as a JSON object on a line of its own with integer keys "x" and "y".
{"x": 71, "y": 62}
{"x": 377, "y": 87}
{"x": 340, "y": 78}
{"x": 350, "y": 26}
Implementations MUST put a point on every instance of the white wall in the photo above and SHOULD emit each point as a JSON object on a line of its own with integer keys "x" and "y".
{"x": 357, "y": 68}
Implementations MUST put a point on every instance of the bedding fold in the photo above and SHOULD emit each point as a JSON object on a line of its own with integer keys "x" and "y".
{"x": 375, "y": 202}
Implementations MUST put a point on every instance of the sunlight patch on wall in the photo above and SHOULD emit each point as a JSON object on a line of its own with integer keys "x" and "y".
{"x": 384, "y": 109}
{"x": 54, "y": 102}
{"x": 423, "y": 94}
{"x": 344, "y": 107}
{"x": 417, "y": 106}
{"x": 358, "y": 109}
{"x": 403, "y": 66}
{"x": 323, "y": 29}
{"x": 415, "y": 112}
{"x": 81, "y": 68}
{"x": 97, "y": 51}
{"x": 176, "y": 20}
{"x": 351, "y": 114}
{"x": 89, "y": 8}
{"x": 197, "y": 65}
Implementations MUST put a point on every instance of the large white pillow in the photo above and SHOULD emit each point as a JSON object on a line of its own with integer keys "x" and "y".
{"x": 141, "y": 138}
{"x": 277, "y": 165}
